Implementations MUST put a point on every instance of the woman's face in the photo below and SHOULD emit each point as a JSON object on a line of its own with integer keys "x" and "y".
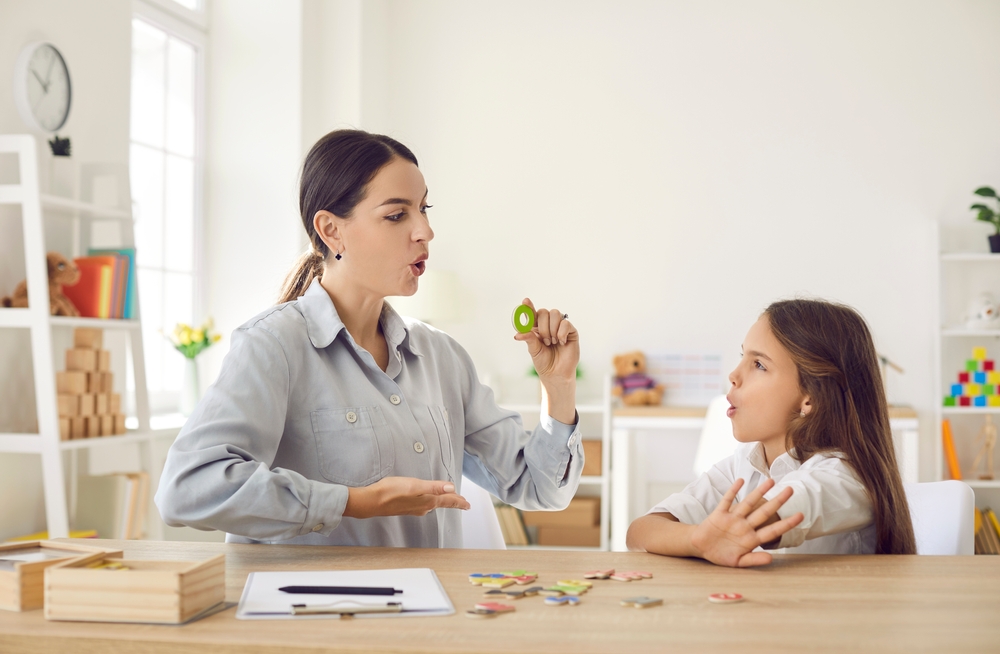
{"x": 385, "y": 242}
{"x": 765, "y": 394}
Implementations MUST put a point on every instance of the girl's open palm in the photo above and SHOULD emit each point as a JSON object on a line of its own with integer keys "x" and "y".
{"x": 730, "y": 534}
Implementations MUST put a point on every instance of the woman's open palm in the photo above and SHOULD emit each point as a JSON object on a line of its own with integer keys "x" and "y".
{"x": 730, "y": 534}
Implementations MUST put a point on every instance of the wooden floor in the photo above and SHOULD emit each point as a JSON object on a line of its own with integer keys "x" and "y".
{"x": 799, "y": 603}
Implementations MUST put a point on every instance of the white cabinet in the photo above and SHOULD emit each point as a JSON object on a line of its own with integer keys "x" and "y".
{"x": 965, "y": 270}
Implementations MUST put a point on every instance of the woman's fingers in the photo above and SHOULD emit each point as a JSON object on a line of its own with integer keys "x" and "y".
{"x": 727, "y": 500}
{"x": 745, "y": 507}
{"x": 566, "y": 329}
{"x": 778, "y": 529}
{"x": 542, "y": 326}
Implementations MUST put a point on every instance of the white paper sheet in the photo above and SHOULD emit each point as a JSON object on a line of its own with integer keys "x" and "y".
{"x": 422, "y": 593}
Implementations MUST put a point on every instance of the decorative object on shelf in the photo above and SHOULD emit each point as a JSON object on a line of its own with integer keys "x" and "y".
{"x": 984, "y": 312}
{"x": 88, "y": 407}
{"x": 988, "y": 215}
{"x": 60, "y": 147}
{"x": 632, "y": 384}
{"x": 948, "y": 443}
{"x": 988, "y": 434}
{"x": 978, "y": 385}
{"x": 191, "y": 342}
{"x": 42, "y": 89}
{"x": 63, "y": 176}
{"x": 62, "y": 272}
{"x": 886, "y": 363}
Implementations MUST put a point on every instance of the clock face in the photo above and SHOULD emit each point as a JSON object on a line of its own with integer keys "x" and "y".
{"x": 47, "y": 87}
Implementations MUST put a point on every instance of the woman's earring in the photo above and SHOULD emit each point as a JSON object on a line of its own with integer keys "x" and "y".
{"x": 337, "y": 256}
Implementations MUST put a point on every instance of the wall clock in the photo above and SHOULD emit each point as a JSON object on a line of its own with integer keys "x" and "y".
{"x": 42, "y": 90}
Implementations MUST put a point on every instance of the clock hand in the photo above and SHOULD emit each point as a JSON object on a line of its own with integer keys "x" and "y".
{"x": 45, "y": 87}
{"x": 48, "y": 73}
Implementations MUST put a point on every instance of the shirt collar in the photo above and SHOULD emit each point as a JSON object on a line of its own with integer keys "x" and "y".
{"x": 323, "y": 323}
{"x": 779, "y": 467}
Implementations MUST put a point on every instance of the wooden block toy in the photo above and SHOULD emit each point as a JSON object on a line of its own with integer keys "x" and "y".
{"x": 562, "y": 601}
{"x": 949, "y": 401}
{"x": 993, "y": 400}
{"x": 478, "y": 577}
{"x": 71, "y": 382}
{"x": 599, "y": 574}
{"x": 107, "y": 423}
{"x": 519, "y": 573}
{"x": 642, "y": 602}
{"x": 574, "y": 582}
{"x": 631, "y": 576}
{"x": 87, "y": 404}
{"x": 162, "y": 592}
{"x": 979, "y": 401}
{"x": 481, "y": 613}
{"x": 495, "y": 606}
{"x": 551, "y": 592}
{"x": 107, "y": 382}
{"x": 93, "y": 426}
{"x": 972, "y": 365}
{"x": 993, "y": 377}
{"x": 965, "y": 401}
{"x": 114, "y": 403}
{"x": 725, "y": 598}
{"x": 956, "y": 390}
{"x": 81, "y": 359}
{"x": 524, "y": 580}
{"x": 963, "y": 378}
{"x": 569, "y": 590}
{"x": 103, "y": 361}
{"x": 22, "y": 582}
{"x": 495, "y": 593}
{"x": 101, "y": 404}
{"x": 93, "y": 383}
{"x": 979, "y": 353}
{"x": 64, "y": 431}
{"x": 988, "y": 365}
{"x": 979, "y": 377}
{"x": 119, "y": 424}
{"x": 69, "y": 405}
{"x": 502, "y": 582}
{"x": 77, "y": 428}
{"x": 86, "y": 337}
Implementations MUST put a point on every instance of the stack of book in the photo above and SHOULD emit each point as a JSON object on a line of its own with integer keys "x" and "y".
{"x": 114, "y": 505}
{"x": 578, "y": 525}
{"x": 87, "y": 406}
{"x": 107, "y": 284}
{"x": 987, "y": 532}
{"x": 511, "y": 525}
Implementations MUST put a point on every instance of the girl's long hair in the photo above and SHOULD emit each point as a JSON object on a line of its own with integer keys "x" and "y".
{"x": 839, "y": 371}
{"x": 335, "y": 178}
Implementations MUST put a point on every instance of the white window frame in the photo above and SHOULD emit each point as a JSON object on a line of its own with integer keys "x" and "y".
{"x": 190, "y": 26}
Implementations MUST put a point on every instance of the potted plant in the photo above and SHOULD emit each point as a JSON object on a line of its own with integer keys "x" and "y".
{"x": 988, "y": 215}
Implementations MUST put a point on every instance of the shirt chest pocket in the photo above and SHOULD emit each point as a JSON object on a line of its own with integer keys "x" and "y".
{"x": 353, "y": 445}
{"x": 433, "y": 421}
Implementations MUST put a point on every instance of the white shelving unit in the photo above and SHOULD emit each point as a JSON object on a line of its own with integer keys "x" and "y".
{"x": 965, "y": 269}
{"x": 602, "y": 481}
{"x": 46, "y": 443}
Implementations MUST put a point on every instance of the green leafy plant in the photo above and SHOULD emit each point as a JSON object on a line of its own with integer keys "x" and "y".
{"x": 986, "y": 214}
{"x": 190, "y": 341}
{"x": 60, "y": 147}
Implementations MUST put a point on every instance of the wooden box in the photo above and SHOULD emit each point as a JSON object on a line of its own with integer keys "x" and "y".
{"x": 163, "y": 592}
{"x": 581, "y": 512}
{"x": 81, "y": 359}
{"x": 592, "y": 458}
{"x": 103, "y": 361}
{"x": 21, "y": 582}
{"x": 572, "y": 536}
{"x": 86, "y": 337}
{"x": 71, "y": 382}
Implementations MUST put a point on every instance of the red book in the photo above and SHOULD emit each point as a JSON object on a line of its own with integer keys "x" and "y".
{"x": 92, "y": 294}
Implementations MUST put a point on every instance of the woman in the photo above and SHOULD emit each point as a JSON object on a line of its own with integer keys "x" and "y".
{"x": 336, "y": 422}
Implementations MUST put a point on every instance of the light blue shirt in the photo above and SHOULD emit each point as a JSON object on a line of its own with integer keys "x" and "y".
{"x": 300, "y": 412}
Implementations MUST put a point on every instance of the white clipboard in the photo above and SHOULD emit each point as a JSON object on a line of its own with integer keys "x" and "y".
{"x": 422, "y": 593}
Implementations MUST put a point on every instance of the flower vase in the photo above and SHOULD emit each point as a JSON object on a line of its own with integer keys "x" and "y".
{"x": 191, "y": 388}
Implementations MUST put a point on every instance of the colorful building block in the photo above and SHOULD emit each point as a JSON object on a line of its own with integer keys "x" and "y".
{"x": 993, "y": 400}
{"x": 988, "y": 365}
{"x": 979, "y": 377}
{"x": 949, "y": 401}
{"x": 989, "y": 389}
{"x": 972, "y": 365}
{"x": 973, "y": 390}
{"x": 993, "y": 378}
{"x": 956, "y": 390}
{"x": 964, "y": 401}
{"x": 979, "y": 353}
{"x": 963, "y": 378}
{"x": 979, "y": 401}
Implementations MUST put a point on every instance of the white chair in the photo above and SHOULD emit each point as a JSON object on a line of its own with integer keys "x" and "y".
{"x": 480, "y": 525}
{"x": 717, "y": 440}
{"x": 942, "y": 514}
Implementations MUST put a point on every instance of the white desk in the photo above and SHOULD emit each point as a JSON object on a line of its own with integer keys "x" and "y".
{"x": 628, "y": 420}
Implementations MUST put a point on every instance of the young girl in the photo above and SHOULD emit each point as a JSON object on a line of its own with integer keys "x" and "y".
{"x": 816, "y": 470}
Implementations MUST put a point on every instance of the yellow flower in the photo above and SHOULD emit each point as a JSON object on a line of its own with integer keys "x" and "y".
{"x": 185, "y": 337}
{"x": 197, "y": 336}
{"x": 216, "y": 338}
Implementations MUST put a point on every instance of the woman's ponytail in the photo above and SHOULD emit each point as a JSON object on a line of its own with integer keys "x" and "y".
{"x": 335, "y": 178}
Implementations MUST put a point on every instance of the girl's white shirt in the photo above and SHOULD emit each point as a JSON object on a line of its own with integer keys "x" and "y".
{"x": 837, "y": 512}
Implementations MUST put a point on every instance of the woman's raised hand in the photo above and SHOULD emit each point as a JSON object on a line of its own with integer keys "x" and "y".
{"x": 731, "y": 533}
{"x": 554, "y": 345}
{"x": 402, "y": 496}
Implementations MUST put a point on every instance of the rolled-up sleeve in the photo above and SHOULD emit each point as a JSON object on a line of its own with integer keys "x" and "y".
{"x": 535, "y": 471}
{"x": 829, "y": 496}
{"x": 218, "y": 472}
{"x": 699, "y": 498}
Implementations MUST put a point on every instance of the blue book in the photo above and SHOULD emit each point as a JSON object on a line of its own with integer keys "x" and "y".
{"x": 128, "y": 311}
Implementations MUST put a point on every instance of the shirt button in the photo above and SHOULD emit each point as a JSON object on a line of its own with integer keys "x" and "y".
{"x": 394, "y": 399}
{"x": 318, "y": 527}
{"x": 352, "y": 417}
{"x": 418, "y": 447}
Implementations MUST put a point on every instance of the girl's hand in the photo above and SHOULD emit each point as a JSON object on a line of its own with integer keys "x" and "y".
{"x": 402, "y": 496}
{"x": 730, "y": 534}
{"x": 554, "y": 345}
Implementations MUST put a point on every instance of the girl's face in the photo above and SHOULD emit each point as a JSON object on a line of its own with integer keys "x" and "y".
{"x": 765, "y": 394}
{"x": 385, "y": 243}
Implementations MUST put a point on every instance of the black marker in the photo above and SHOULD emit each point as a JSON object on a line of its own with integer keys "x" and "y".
{"x": 339, "y": 590}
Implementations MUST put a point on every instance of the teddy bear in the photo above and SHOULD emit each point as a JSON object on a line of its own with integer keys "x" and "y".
{"x": 984, "y": 313}
{"x": 631, "y": 382}
{"x": 62, "y": 272}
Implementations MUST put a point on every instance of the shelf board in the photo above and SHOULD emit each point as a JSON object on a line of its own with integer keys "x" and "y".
{"x": 969, "y": 256}
{"x": 961, "y": 332}
{"x": 94, "y": 210}
{"x": 135, "y": 437}
{"x": 983, "y": 483}
{"x": 969, "y": 410}
{"x": 15, "y": 317}
{"x": 96, "y": 323}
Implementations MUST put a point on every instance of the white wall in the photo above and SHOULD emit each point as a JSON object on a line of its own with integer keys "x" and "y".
{"x": 663, "y": 170}
{"x": 95, "y": 39}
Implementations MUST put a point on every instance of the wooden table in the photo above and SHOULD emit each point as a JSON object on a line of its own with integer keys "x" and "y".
{"x": 799, "y": 603}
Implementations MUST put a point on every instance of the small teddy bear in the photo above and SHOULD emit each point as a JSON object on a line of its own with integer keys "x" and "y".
{"x": 631, "y": 382}
{"x": 62, "y": 272}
